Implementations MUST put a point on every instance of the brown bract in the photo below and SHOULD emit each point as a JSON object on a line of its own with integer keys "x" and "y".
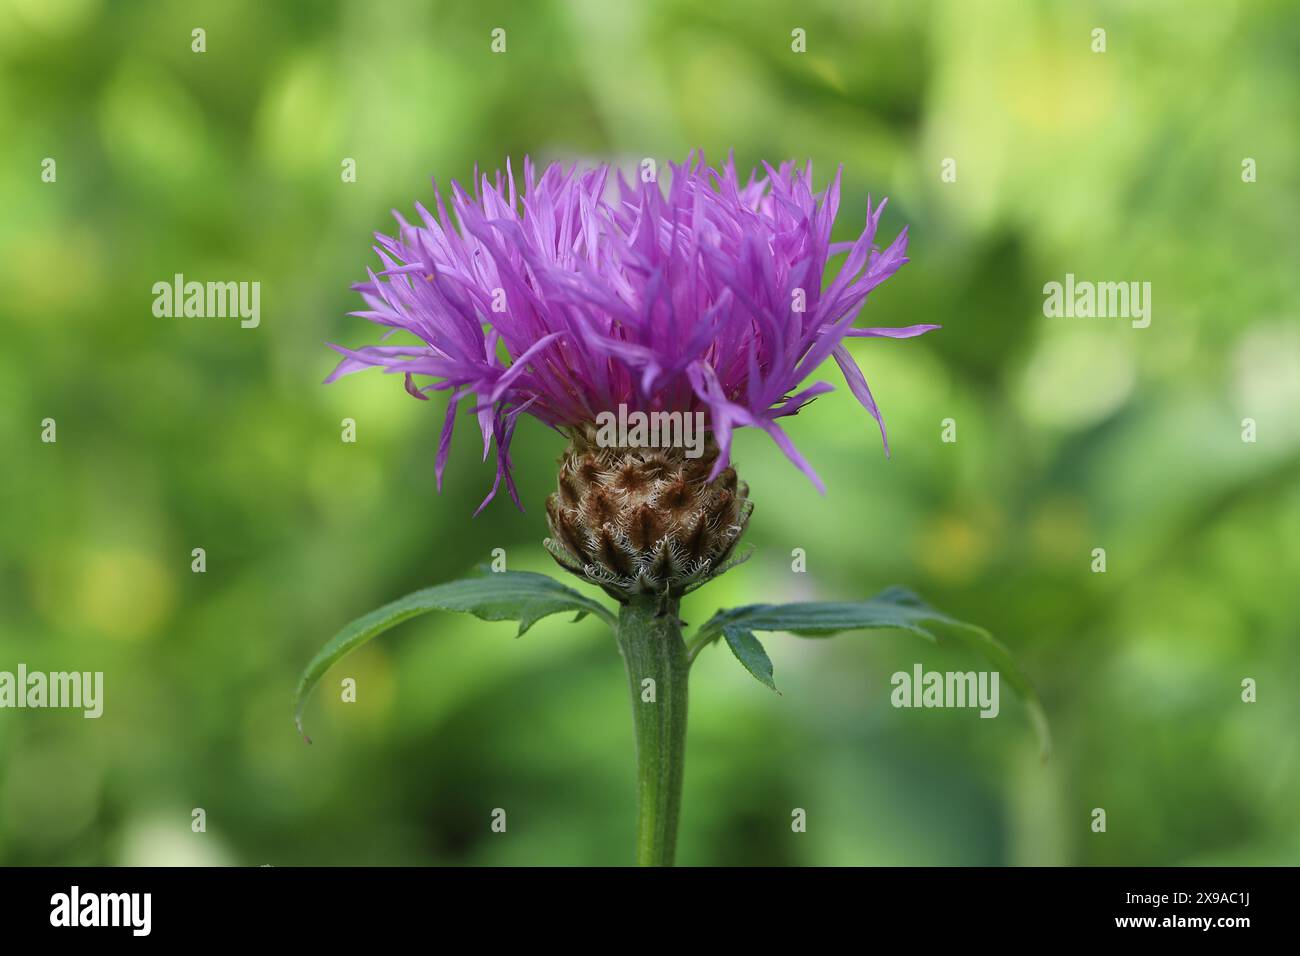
{"x": 644, "y": 521}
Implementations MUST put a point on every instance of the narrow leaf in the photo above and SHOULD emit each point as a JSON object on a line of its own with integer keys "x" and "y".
{"x": 750, "y": 652}
{"x": 895, "y": 608}
{"x": 505, "y": 596}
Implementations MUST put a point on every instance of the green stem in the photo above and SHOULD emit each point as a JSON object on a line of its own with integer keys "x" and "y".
{"x": 650, "y": 638}
{"x": 702, "y": 639}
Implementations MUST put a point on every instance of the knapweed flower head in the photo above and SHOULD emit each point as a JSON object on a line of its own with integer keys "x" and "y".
{"x": 574, "y": 296}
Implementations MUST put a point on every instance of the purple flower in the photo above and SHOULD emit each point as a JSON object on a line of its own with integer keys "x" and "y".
{"x": 578, "y": 297}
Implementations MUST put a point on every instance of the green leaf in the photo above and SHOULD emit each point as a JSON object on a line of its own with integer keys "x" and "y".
{"x": 505, "y": 596}
{"x": 749, "y": 652}
{"x": 895, "y": 608}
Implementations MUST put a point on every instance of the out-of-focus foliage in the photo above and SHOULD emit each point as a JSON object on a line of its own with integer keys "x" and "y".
{"x": 1073, "y": 434}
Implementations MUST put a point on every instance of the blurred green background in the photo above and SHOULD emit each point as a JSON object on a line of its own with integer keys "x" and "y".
{"x": 1073, "y": 434}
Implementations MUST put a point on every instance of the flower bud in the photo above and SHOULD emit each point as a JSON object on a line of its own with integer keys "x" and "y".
{"x": 644, "y": 521}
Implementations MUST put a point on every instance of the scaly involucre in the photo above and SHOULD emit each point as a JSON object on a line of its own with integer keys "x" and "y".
{"x": 577, "y": 297}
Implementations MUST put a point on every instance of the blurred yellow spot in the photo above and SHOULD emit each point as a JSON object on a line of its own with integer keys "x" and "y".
{"x": 955, "y": 547}
{"x": 1054, "y": 89}
{"x": 26, "y": 271}
{"x": 119, "y": 592}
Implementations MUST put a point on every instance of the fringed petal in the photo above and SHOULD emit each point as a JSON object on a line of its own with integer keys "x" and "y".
{"x": 554, "y": 295}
